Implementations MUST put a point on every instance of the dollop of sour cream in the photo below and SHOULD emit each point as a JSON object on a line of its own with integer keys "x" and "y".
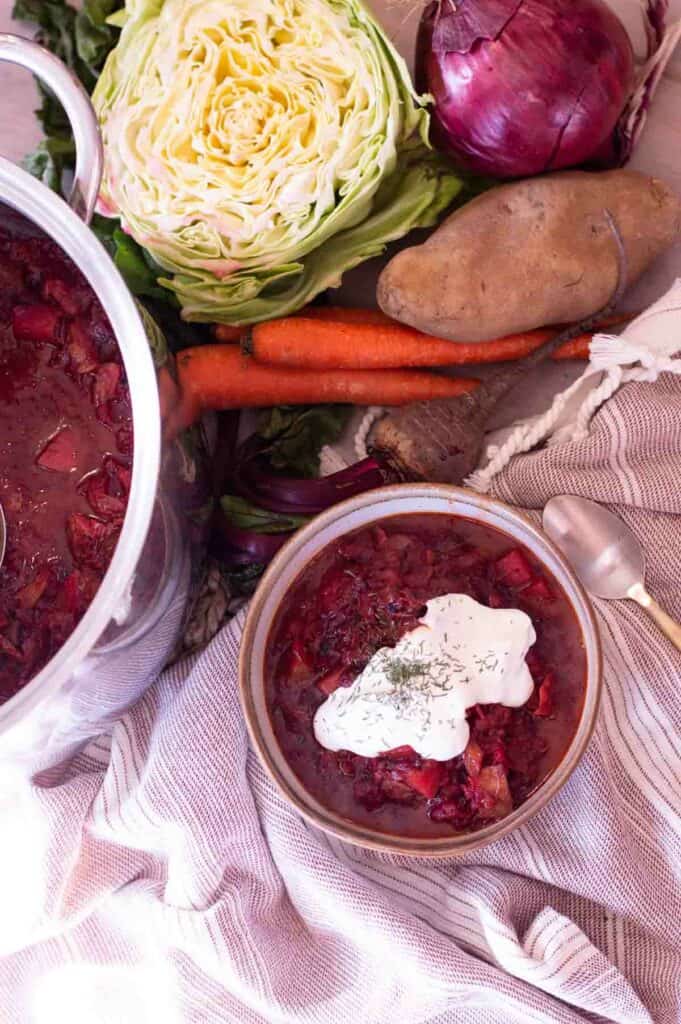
{"x": 417, "y": 693}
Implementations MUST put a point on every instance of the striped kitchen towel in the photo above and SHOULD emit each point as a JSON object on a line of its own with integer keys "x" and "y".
{"x": 158, "y": 878}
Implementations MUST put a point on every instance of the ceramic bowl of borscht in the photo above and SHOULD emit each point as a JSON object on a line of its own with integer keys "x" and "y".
{"x": 420, "y": 670}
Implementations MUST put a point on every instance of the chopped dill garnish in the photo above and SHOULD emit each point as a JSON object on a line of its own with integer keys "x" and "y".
{"x": 400, "y": 671}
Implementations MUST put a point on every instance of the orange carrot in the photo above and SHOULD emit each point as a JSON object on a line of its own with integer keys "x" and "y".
{"x": 337, "y": 314}
{"x": 578, "y": 348}
{"x": 221, "y": 377}
{"x": 331, "y": 344}
{"x": 355, "y": 315}
{"x": 345, "y": 315}
{"x": 228, "y": 332}
{"x": 320, "y": 344}
{"x": 167, "y": 392}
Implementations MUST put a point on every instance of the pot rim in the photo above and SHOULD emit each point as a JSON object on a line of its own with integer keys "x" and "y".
{"x": 294, "y": 791}
{"x": 52, "y": 215}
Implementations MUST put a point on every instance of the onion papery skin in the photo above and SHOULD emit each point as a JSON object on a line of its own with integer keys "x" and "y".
{"x": 529, "y": 86}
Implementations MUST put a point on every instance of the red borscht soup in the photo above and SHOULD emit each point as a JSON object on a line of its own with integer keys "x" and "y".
{"x": 66, "y": 446}
{"x": 368, "y": 590}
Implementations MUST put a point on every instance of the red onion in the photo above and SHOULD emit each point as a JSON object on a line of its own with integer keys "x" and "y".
{"x": 527, "y": 86}
{"x": 253, "y": 479}
{"x": 291, "y": 496}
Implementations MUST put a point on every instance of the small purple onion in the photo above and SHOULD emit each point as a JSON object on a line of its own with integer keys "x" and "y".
{"x": 293, "y": 496}
{"x": 254, "y": 480}
{"x": 525, "y": 86}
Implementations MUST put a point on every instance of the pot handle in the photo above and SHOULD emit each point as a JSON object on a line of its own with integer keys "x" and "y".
{"x": 76, "y": 102}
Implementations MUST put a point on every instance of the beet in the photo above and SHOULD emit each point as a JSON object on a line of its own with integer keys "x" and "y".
{"x": 60, "y": 453}
{"x": 107, "y": 378}
{"x": 57, "y": 355}
{"x": 36, "y": 323}
{"x": 91, "y": 540}
{"x": 81, "y": 348}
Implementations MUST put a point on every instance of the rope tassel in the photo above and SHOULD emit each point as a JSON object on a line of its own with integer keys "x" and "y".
{"x": 641, "y": 353}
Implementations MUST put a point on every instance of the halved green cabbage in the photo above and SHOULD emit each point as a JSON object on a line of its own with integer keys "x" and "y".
{"x": 259, "y": 148}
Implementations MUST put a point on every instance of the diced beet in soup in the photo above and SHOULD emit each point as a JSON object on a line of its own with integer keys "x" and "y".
{"x": 365, "y": 592}
{"x": 65, "y": 449}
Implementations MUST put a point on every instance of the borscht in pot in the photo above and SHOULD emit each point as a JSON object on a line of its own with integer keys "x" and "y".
{"x": 424, "y": 675}
{"x": 66, "y": 448}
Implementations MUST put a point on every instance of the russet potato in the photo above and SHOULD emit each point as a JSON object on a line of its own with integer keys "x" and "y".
{"x": 530, "y": 253}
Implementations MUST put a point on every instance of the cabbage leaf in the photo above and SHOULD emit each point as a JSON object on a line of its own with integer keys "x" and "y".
{"x": 258, "y": 149}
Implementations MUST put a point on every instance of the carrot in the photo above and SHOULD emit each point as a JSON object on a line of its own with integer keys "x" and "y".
{"x": 321, "y": 344}
{"x": 578, "y": 348}
{"x": 345, "y": 315}
{"x": 167, "y": 391}
{"x": 221, "y": 377}
{"x": 338, "y": 314}
{"x": 228, "y": 332}
{"x": 169, "y": 401}
{"x": 336, "y": 344}
{"x": 355, "y": 315}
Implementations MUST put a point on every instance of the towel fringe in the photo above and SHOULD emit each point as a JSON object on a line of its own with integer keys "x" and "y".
{"x": 608, "y": 355}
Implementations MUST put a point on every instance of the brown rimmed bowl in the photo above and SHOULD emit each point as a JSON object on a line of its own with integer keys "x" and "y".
{"x": 366, "y": 510}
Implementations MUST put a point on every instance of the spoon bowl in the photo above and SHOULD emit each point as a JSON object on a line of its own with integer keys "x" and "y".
{"x": 601, "y": 548}
{"x": 605, "y": 554}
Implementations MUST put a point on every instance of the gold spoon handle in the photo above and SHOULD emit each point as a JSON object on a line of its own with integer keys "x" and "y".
{"x": 668, "y": 625}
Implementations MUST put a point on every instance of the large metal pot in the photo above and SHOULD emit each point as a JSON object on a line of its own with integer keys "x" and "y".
{"x": 135, "y": 620}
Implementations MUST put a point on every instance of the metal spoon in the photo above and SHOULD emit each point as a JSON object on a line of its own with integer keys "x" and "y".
{"x": 605, "y": 554}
